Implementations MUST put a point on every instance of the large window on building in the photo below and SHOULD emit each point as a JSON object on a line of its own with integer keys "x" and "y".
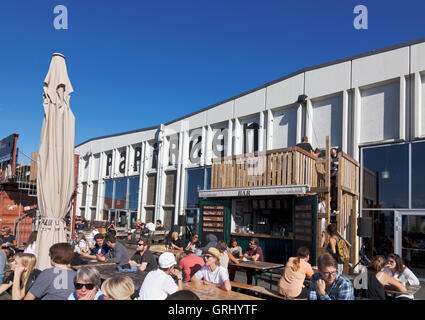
{"x": 109, "y": 188}
{"x": 418, "y": 175}
{"x": 84, "y": 194}
{"x": 170, "y": 187}
{"x": 121, "y": 194}
{"x": 94, "y": 194}
{"x": 386, "y": 176}
{"x": 151, "y": 191}
{"x": 382, "y": 240}
{"x": 197, "y": 179}
{"x": 390, "y": 173}
{"x": 133, "y": 193}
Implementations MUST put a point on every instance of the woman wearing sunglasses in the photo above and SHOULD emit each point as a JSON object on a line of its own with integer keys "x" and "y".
{"x": 212, "y": 273}
{"x": 87, "y": 285}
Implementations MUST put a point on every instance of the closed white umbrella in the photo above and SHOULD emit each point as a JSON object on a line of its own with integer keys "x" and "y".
{"x": 55, "y": 174}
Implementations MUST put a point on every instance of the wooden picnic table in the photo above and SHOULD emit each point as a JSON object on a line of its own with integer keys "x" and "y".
{"x": 411, "y": 290}
{"x": 109, "y": 271}
{"x": 158, "y": 249}
{"x": 258, "y": 267}
{"x": 210, "y": 292}
{"x": 91, "y": 262}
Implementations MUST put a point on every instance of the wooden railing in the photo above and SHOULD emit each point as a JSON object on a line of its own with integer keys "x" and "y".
{"x": 368, "y": 184}
{"x": 289, "y": 166}
{"x": 348, "y": 173}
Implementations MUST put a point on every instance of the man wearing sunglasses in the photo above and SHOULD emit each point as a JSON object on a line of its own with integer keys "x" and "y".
{"x": 328, "y": 284}
{"x": 143, "y": 259}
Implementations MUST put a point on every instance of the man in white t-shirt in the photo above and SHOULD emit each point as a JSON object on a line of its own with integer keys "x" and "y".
{"x": 159, "y": 284}
{"x": 150, "y": 226}
{"x": 212, "y": 272}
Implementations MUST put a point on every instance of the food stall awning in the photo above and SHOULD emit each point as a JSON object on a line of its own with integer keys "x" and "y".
{"x": 254, "y": 191}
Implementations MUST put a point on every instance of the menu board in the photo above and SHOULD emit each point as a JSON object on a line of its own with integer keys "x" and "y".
{"x": 304, "y": 223}
{"x": 212, "y": 222}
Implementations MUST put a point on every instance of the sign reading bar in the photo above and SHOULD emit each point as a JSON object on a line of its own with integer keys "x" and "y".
{"x": 253, "y": 192}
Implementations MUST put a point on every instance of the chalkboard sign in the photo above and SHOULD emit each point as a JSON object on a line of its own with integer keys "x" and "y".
{"x": 213, "y": 220}
{"x": 305, "y": 224}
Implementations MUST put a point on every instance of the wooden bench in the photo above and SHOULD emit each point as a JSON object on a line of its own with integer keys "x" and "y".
{"x": 239, "y": 285}
{"x": 258, "y": 290}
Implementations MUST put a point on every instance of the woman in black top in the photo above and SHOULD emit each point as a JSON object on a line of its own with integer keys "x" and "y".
{"x": 18, "y": 283}
{"x": 377, "y": 280}
{"x": 110, "y": 228}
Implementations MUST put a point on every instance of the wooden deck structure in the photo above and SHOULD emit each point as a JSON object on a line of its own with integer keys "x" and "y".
{"x": 295, "y": 166}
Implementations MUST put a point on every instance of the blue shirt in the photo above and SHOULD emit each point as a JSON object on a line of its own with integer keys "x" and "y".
{"x": 342, "y": 289}
{"x": 99, "y": 296}
{"x": 103, "y": 249}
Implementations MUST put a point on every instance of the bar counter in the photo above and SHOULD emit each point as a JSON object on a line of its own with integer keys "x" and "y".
{"x": 276, "y": 249}
{"x": 267, "y": 236}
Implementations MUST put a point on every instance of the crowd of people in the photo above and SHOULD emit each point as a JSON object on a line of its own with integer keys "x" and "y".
{"x": 215, "y": 264}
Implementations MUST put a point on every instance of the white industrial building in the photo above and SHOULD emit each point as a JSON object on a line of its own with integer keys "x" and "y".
{"x": 372, "y": 106}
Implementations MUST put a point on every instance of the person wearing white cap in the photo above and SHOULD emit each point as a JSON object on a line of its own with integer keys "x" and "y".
{"x": 158, "y": 284}
{"x": 212, "y": 272}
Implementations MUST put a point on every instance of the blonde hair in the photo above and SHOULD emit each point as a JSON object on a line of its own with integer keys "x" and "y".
{"x": 180, "y": 255}
{"x": 377, "y": 263}
{"x": 302, "y": 253}
{"x": 119, "y": 287}
{"x": 28, "y": 260}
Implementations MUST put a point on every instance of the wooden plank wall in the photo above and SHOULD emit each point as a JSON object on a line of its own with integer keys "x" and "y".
{"x": 291, "y": 166}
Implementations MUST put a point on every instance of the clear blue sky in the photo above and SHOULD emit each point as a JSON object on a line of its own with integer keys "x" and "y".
{"x": 137, "y": 63}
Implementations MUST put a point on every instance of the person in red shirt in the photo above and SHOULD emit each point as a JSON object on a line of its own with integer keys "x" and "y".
{"x": 254, "y": 253}
{"x": 189, "y": 263}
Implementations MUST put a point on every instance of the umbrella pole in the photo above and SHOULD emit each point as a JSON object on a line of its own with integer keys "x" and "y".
{"x": 74, "y": 204}
{"x": 74, "y": 207}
